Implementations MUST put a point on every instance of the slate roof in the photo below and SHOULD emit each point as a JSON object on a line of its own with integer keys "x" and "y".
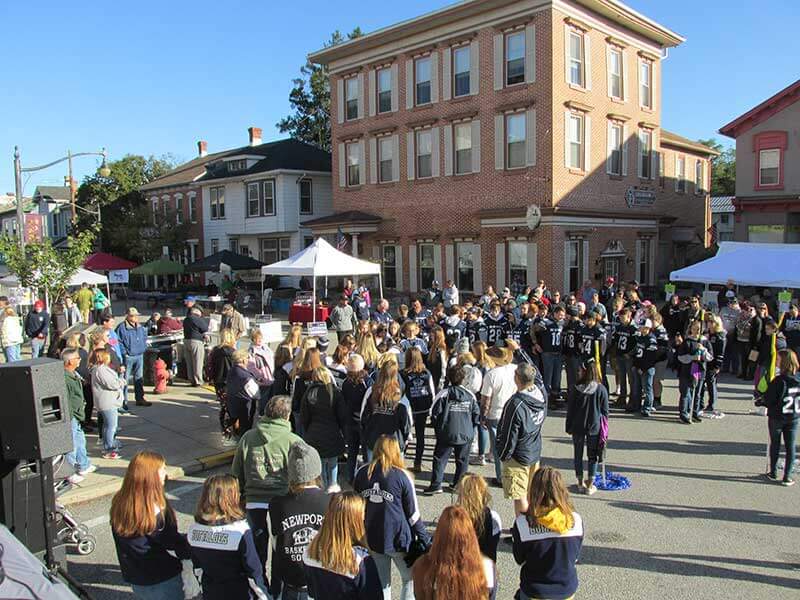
{"x": 182, "y": 174}
{"x": 56, "y": 192}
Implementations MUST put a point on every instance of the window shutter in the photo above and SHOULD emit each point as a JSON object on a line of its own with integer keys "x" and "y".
{"x": 653, "y": 156}
{"x": 409, "y": 84}
{"x": 373, "y": 95}
{"x": 639, "y": 261}
{"x": 477, "y": 268}
{"x": 639, "y": 150}
{"x": 498, "y": 61}
{"x": 398, "y": 254}
{"x": 447, "y": 77}
{"x": 566, "y": 139}
{"x": 362, "y": 175}
{"x": 624, "y": 150}
{"x": 499, "y": 142}
{"x": 474, "y": 67}
{"x": 530, "y": 137}
{"x": 566, "y": 289}
{"x": 566, "y": 54}
{"x": 587, "y": 60}
{"x": 437, "y": 263}
{"x": 530, "y": 53}
{"x": 532, "y": 270}
{"x": 448, "y": 150}
{"x": 435, "y": 151}
{"x": 624, "y": 76}
{"x": 342, "y": 167}
{"x": 395, "y": 87}
{"x": 361, "y": 95}
{"x": 434, "y": 76}
{"x": 340, "y": 100}
{"x": 653, "y": 85}
{"x": 608, "y": 71}
{"x": 376, "y": 253}
{"x": 609, "y": 145}
{"x": 476, "y": 146}
{"x": 585, "y": 259}
{"x": 676, "y": 172}
{"x": 410, "y": 155}
{"x": 412, "y": 268}
{"x": 449, "y": 262}
{"x": 500, "y": 265}
{"x": 373, "y": 160}
{"x": 395, "y": 157}
{"x": 587, "y": 143}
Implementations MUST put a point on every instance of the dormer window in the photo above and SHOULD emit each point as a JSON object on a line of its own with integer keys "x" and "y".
{"x": 237, "y": 165}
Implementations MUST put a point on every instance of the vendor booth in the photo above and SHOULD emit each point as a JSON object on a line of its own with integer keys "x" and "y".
{"x": 80, "y": 277}
{"x": 320, "y": 259}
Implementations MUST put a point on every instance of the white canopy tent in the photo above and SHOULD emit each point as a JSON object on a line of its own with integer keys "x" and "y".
{"x": 321, "y": 259}
{"x": 81, "y": 276}
{"x": 747, "y": 263}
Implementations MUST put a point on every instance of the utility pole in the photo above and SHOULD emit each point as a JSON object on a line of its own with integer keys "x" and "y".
{"x": 18, "y": 194}
{"x": 71, "y": 188}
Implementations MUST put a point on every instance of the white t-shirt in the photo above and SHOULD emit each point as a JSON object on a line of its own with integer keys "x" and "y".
{"x": 499, "y": 385}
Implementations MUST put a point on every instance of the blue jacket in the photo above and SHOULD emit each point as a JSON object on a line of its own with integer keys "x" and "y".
{"x": 132, "y": 339}
{"x": 392, "y": 515}
{"x": 519, "y": 434}
{"x": 324, "y": 583}
{"x": 36, "y": 324}
{"x": 227, "y": 554}
{"x": 455, "y": 415}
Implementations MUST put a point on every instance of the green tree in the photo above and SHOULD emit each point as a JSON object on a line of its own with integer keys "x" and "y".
{"x": 723, "y": 169}
{"x": 43, "y": 267}
{"x": 310, "y": 99}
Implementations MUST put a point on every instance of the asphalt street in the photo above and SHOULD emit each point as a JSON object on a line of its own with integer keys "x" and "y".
{"x": 699, "y": 521}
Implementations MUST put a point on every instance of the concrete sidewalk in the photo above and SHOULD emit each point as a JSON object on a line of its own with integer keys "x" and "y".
{"x": 182, "y": 424}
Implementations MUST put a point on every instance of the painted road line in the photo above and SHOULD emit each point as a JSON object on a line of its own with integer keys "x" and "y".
{"x": 172, "y": 495}
{"x": 96, "y": 522}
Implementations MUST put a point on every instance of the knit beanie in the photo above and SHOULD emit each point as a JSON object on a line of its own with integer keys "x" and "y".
{"x": 304, "y": 463}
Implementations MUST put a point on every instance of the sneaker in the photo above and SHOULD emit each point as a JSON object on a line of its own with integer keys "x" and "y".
{"x": 334, "y": 489}
{"x": 431, "y": 491}
{"x": 686, "y": 420}
{"x": 87, "y": 470}
{"x": 143, "y": 403}
{"x": 581, "y": 487}
{"x": 771, "y": 477}
{"x": 645, "y": 413}
{"x": 589, "y": 488}
{"x": 697, "y": 418}
{"x": 787, "y": 482}
{"x": 123, "y": 411}
{"x": 113, "y": 455}
{"x": 478, "y": 461}
{"x": 75, "y": 478}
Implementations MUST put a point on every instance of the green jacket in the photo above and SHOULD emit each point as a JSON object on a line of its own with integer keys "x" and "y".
{"x": 75, "y": 395}
{"x": 261, "y": 460}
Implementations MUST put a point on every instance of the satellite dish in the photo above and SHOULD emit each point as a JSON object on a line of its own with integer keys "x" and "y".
{"x": 533, "y": 217}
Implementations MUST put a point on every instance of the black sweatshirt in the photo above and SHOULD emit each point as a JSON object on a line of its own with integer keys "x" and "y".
{"x": 586, "y": 406}
{"x": 782, "y": 398}
{"x": 454, "y": 415}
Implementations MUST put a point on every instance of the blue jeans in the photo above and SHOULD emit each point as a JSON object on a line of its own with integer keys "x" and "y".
{"x": 591, "y": 442}
{"x": 166, "y": 590}
{"x": 78, "y": 457}
{"x": 551, "y": 365}
{"x": 491, "y": 425}
{"x": 710, "y": 386}
{"x": 441, "y": 456}
{"x": 12, "y": 353}
{"x": 690, "y": 390}
{"x": 646, "y": 379}
{"x": 37, "y": 347}
{"x": 292, "y": 594}
{"x": 384, "y": 564}
{"x": 110, "y": 418}
{"x": 623, "y": 374}
{"x": 483, "y": 440}
{"x": 134, "y": 369}
{"x": 330, "y": 472}
{"x": 778, "y": 428}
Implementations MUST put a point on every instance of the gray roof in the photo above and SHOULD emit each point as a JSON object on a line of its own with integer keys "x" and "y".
{"x": 56, "y": 192}
{"x": 722, "y": 204}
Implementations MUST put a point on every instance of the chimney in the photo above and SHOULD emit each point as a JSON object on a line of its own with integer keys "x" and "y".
{"x": 255, "y": 135}
{"x": 202, "y": 148}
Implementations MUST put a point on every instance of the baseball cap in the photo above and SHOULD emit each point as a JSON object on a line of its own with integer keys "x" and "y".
{"x": 190, "y": 299}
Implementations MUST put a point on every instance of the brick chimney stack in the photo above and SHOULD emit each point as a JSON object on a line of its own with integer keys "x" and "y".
{"x": 202, "y": 148}
{"x": 255, "y": 135}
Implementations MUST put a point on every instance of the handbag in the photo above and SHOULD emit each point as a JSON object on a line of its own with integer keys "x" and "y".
{"x": 753, "y": 356}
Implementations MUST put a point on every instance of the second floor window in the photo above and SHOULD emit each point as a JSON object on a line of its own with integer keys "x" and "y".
{"x": 353, "y": 164}
{"x": 680, "y": 174}
{"x": 306, "y": 202}
{"x": 615, "y": 141}
{"x": 385, "y": 159}
{"x": 698, "y": 176}
{"x": 217, "y": 195}
{"x": 576, "y": 75}
{"x": 515, "y": 141}
{"x": 461, "y": 66}
{"x": 193, "y": 209}
{"x": 645, "y": 154}
{"x": 384, "y": 79}
{"x": 424, "y": 154}
{"x": 351, "y": 91}
{"x": 769, "y": 166}
{"x": 261, "y": 198}
{"x": 515, "y": 57}
{"x": 646, "y": 84}
{"x": 615, "y": 73}
{"x": 463, "y": 153}
{"x": 179, "y": 210}
{"x": 422, "y": 80}
{"x": 662, "y": 159}
{"x": 575, "y": 141}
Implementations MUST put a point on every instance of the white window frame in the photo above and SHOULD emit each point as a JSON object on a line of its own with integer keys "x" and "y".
{"x": 580, "y": 142}
{"x": 680, "y": 173}
{"x": 386, "y": 266}
{"x": 214, "y": 245}
{"x": 507, "y": 141}
{"x": 461, "y": 50}
{"x": 614, "y": 126}
{"x": 456, "y": 128}
{"x": 506, "y": 60}
{"x": 458, "y": 267}
{"x": 193, "y": 208}
{"x": 417, "y": 82}
{"x": 253, "y": 187}
{"x": 383, "y": 143}
{"x": 217, "y": 203}
{"x": 310, "y": 196}
{"x": 579, "y": 60}
{"x": 351, "y": 101}
{"x": 418, "y": 155}
{"x": 356, "y": 148}
{"x": 268, "y": 184}
{"x": 646, "y": 86}
{"x": 524, "y": 254}
{"x": 179, "y": 209}
{"x": 165, "y": 206}
{"x": 233, "y": 245}
{"x": 769, "y": 152}
{"x": 699, "y": 180}
{"x": 281, "y": 251}
{"x": 579, "y": 245}
{"x": 387, "y": 72}
{"x": 154, "y": 203}
{"x": 423, "y": 283}
{"x": 645, "y": 156}
{"x": 612, "y": 52}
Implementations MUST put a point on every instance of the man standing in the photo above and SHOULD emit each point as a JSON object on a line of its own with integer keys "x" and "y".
{"x": 189, "y": 303}
{"x": 342, "y": 317}
{"x": 71, "y": 313}
{"x": 85, "y": 300}
{"x": 234, "y": 320}
{"x": 195, "y": 328}
{"x": 450, "y": 294}
{"x": 133, "y": 343}
{"x": 519, "y": 437}
{"x": 78, "y": 457}
{"x": 497, "y": 387}
{"x": 36, "y": 323}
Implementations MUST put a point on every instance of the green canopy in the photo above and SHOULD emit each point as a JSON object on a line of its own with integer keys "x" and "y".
{"x": 162, "y": 266}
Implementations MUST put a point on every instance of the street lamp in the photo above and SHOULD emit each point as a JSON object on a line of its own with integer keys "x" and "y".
{"x": 103, "y": 171}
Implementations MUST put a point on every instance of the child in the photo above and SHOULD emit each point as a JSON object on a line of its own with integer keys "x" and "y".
{"x": 474, "y": 497}
{"x": 222, "y": 544}
{"x": 587, "y": 406}
{"x": 692, "y": 355}
{"x": 354, "y": 388}
{"x": 645, "y": 355}
{"x": 547, "y": 539}
{"x": 420, "y": 393}
{"x": 161, "y": 376}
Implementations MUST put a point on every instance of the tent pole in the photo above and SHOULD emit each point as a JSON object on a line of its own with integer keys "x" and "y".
{"x": 326, "y": 286}
{"x": 380, "y": 284}
{"x": 108, "y": 294}
{"x": 262, "y": 294}
{"x": 313, "y": 298}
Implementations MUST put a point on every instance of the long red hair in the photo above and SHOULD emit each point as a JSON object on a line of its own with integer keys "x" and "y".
{"x": 453, "y": 568}
{"x": 133, "y": 509}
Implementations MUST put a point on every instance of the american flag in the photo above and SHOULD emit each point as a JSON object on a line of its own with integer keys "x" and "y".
{"x": 341, "y": 240}
{"x": 712, "y": 233}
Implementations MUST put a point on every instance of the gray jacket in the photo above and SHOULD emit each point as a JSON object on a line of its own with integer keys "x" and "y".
{"x": 342, "y": 318}
{"x": 106, "y": 387}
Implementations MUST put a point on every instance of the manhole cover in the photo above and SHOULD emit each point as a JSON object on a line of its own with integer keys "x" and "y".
{"x": 607, "y": 537}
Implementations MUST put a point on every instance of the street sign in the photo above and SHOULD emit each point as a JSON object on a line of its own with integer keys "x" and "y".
{"x": 636, "y": 198}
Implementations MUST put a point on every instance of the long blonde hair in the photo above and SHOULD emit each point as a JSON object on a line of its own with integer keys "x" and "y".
{"x": 482, "y": 359}
{"x": 294, "y": 338}
{"x": 474, "y": 497}
{"x": 386, "y": 454}
{"x": 300, "y": 357}
{"x": 386, "y": 389}
{"x": 367, "y": 349}
{"x": 134, "y": 507}
{"x": 342, "y": 528}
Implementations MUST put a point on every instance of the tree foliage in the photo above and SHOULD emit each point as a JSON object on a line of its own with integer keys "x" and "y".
{"x": 310, "y": 99}
{"x": 723, "y": 169}
{"x": 43, "y": 267}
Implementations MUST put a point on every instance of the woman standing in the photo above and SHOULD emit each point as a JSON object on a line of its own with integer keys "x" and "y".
{"x": 382, "y": 412}
{"x": 392, "y": 516}
{"x": 782, "y": 400}
{"x": 420, "y": 392}
{"x": 354, "y": 388}
{"x": 11, "y": 334}
{"x": 107, "y": 388}
{"x": 262, "y": 366}
{"x": 301, "y": 379}
{"x": 220, "y": 362}
{"x": 454, "y": 567}
{"x": 241, "y": 392}
{"x": 294, "y": 338}
{"x": 336, "y": 564}
{"x": 368, "y": 351}
{"x": 585, "y": 410}
{"x": 99, "y": 302}
{"x": 145, "y": 530}
{"x": 437, "y": 358}
{"x": 716, "y": 338}
{"x": 323, "y": 414}
{"x": 692, "y": 355}
{"x": 474, "y": 497}
{"x": 282, "y": 384}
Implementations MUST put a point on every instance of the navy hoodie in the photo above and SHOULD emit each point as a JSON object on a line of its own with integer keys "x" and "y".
{"x": 419, "y": 390}
{"x": 227, "y": 554}
{"x": 36, "y": 324}
{"x": 519, "y": 434}
{"x": 455, "y": 415}
{"x": 476, "y": 330}
{"x": 324, "y": 583}
{"x": 586, "y": 406}
{"x": 378, "y": 421}
{"x": 392, "y": 517}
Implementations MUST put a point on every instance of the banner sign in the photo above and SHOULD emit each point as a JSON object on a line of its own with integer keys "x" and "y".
{"x": 118, "y": 276}
{"x": 639, "y": 198}
{"x": 317, "y": 329}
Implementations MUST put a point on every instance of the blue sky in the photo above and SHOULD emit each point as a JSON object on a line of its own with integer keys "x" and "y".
{"x": 152, "y": 77}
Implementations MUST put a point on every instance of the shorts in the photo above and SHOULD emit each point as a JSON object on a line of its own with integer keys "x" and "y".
{"x": 517, "y": 479}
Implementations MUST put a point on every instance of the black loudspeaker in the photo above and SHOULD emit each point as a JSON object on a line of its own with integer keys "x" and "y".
{"x": 35, "y": 417}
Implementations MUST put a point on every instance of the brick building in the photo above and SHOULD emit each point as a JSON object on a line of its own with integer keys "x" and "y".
{"x": 502, "y": 141}
{"x": 767, "y": 186}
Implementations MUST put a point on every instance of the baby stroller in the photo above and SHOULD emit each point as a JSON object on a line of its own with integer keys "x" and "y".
{"x": 71, "y": 532}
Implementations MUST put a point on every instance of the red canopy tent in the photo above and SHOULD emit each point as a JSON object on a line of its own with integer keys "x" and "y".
{"x": 101, "y": 261}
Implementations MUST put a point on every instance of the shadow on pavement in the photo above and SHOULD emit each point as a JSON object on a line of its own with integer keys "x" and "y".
{"x": 703, "y": 447}
{"x": 110, "y": 576}
{"x": 734, "y": 515}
